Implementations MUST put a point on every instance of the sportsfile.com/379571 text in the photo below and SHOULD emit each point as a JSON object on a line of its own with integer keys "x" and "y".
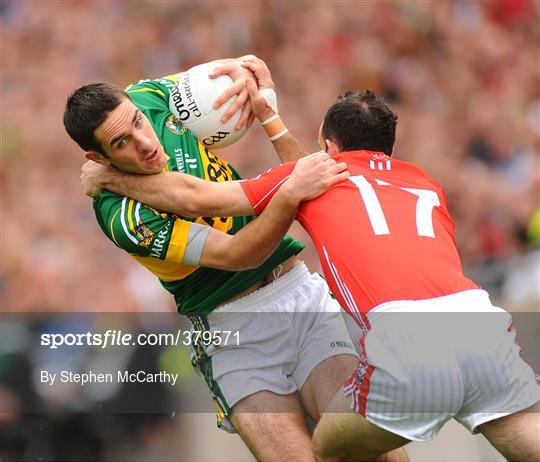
{"x": 115, "y": 338}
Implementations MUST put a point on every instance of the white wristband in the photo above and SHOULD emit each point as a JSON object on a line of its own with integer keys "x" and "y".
{"x": 270, "y": 119}
{"x": 279, "y": 135}
{"x": 269, "y": 94}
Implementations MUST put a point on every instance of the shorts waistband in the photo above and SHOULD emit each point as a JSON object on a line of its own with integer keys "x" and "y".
{"x": 459, "y": 302}
{"x": 255, "y": 301}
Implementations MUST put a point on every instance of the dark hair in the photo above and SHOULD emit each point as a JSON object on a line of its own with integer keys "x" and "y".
{"x": 360, "y": 120}
{"x": 87, "y": 108}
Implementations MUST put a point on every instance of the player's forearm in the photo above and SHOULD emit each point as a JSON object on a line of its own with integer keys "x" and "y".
{"x": 253, "y": 244}
{"x": 158, "y": 191}
{"x": 219, "y": 199}
{"x": 181, "y": 194}
{"x": 287, "y": 146}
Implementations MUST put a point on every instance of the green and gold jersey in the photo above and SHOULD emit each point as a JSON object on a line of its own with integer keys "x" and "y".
{"x": 159, "y": 240}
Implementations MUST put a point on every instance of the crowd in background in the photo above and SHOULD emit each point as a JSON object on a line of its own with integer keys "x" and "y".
{"x": 463, "y": 77}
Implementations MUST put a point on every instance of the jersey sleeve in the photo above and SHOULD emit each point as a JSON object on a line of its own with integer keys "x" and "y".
{"x": 153, "y": 93}
{"x": 262, "y": 188}
{"x": 145, "y": 232}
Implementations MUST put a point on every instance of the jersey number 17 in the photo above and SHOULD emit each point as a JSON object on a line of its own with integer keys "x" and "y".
{"x": 426, "y": 200}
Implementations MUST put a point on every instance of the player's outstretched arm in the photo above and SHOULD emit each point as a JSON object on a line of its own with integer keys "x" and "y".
{"x": 178, "y": 193}
{"x": 264, "y": 106}
{"x": 253, "y": 244}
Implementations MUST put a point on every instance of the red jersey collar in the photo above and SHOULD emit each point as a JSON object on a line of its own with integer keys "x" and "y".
{"x": 374, "y": 155}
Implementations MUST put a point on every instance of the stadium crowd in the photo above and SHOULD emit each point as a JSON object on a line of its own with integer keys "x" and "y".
{"x": 462, "y": 76}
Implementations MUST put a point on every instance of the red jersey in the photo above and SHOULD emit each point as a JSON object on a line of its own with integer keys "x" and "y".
{"x": 383, "y": 235}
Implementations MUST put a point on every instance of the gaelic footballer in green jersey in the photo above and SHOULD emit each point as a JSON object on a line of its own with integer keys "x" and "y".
{"x": 161, "y": 241}
{"x": 276, "y": 360}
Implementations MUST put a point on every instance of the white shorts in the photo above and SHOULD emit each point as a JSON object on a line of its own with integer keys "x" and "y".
{"x": 425, "y": 362}
{"x": 285, "y": 329}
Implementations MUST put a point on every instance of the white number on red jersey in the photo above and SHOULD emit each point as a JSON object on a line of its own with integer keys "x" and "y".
{"x": 426, "y": 200}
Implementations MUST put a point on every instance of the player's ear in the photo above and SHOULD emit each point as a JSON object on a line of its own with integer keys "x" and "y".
{"x": 331, "y": 147}
{"x": 97, "y": 157}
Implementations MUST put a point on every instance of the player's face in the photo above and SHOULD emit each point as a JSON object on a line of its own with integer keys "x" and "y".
{"x": 130, "y": 141}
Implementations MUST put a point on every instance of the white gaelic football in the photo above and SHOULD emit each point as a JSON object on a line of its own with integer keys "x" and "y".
{"x": 191, "y": 102}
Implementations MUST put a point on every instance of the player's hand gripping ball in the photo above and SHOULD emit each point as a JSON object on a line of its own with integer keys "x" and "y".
{"x": 191, "y": 102}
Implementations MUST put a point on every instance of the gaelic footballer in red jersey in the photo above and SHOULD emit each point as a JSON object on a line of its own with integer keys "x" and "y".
{"x": 388, "y": 222}
{"x": 386, "y": 243}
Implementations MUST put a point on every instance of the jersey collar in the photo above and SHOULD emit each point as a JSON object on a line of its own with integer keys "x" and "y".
{"x": 371, "y": 154}
{"x": 368, "y": 155}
